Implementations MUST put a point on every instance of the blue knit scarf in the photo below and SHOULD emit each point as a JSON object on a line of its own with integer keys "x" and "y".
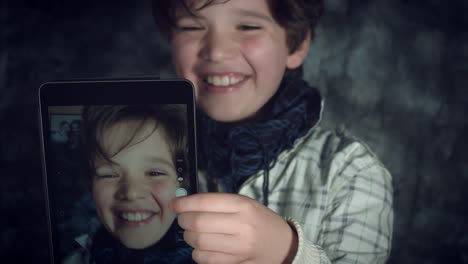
{"x": 230, "y": 154}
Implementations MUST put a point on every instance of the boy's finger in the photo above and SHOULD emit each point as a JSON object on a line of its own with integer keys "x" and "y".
{"x": 211, "y": 242}
{"x": 209, "y": 222}
{"x": 209, "y": 202}
{"x": 201, "y": 256}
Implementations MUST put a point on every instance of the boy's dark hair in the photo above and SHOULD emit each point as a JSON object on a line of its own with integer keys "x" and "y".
{"x": 297, "y": 17}
{"x": 96, "y": 119}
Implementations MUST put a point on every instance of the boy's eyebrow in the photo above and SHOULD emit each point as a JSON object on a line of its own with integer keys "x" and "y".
{"x": 183, "y": 13}
{"x": 153, "y": 159}
{"x": 254, "y": 14}
{"x": 238, "y": 11}
{"x": 102, "y": 162}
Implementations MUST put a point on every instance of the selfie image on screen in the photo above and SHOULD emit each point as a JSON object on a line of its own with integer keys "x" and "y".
{"x": 116, "y": 167}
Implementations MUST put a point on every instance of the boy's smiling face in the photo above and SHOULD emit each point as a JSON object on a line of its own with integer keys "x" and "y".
{"x": 235, "y": 54}
{"x": 132, "y": 193}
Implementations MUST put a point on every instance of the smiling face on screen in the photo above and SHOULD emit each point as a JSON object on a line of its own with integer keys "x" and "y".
{"x": 133, "y": 190}
{"x": 235, "y": 54}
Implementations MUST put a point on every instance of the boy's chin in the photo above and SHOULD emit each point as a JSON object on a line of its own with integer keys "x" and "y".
{"x": 226, "y": 119}
{"x": 138, "y": 243}
{"x": 226, "y": 115}
{"x": 140, "y": 239}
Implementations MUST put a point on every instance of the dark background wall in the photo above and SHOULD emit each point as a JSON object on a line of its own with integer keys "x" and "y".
{"x": 395, "y": 73}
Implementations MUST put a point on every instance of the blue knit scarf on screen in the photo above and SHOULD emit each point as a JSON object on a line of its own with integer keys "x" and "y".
{"x": 171, "y": 249}
{"x": 229, "y": 154}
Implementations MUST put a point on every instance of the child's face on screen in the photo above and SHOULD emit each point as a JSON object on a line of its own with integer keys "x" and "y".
{"x": 235, "y": 54}
{"x": 132, "y": 193}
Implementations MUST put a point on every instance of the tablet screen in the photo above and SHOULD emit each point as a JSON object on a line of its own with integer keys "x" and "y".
{"x": 114, "y": 158}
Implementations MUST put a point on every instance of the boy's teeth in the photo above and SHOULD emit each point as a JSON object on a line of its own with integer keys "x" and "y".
{"x": 135, "y": 217}
{"x": 222, "y": 80}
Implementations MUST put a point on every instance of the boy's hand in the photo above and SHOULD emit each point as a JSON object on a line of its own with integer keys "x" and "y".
{"x": 230, "y": 228}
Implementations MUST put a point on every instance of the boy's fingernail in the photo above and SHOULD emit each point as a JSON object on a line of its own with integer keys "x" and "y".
{"x": 180, "y": 192}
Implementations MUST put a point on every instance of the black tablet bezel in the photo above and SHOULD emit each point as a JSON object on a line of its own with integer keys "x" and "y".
{"x": 110, "y": 92}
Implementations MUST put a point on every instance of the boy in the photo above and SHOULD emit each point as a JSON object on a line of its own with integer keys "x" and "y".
{"x": 132, "y": 157}
{"x": 298, "y": 194}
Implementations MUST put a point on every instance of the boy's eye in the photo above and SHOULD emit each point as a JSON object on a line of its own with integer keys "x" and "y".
{"x": 190, "y": 28}
{"x": 106, "y": 176}
{"x": 188, "y": 24}
{"x": 156, "y": 173}
{"x": 106, "y": 172}
{"x": 248, "y": 27}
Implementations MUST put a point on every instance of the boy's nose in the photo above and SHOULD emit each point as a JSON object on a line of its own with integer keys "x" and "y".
{"x": 218, "y": 47}
{"x": 131, "y": 190}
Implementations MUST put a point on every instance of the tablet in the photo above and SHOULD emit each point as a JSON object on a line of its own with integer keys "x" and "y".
{"x": 115, "y": 152}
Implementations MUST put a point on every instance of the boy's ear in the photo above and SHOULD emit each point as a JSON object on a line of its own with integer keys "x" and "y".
{"x": 297, "y": 57}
